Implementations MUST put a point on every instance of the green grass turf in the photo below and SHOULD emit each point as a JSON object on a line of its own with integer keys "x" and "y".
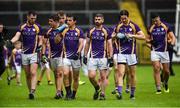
{"x": 14, "y": 95}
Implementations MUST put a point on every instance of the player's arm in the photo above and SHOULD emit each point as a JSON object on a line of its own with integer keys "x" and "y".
{"x": 13, "y": 55}
{"x": 148, "y": 41}
{"x": 110, "y": 48}
{"x": 40, "y": 37}
{"x": 81, "y": 43}
{"x": 45, "y": 40}
{"x": 171, "y": 38}
{"x": 62, "y": 27}
{"x": 113, "y": 35}
{"x": 16, "y": 37}
{"x": 139, "y": 35}
{"x": 87, "y": 45}
{"x": 49, "y": 50}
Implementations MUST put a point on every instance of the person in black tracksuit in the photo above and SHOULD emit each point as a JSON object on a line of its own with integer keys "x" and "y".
{"x": 2, "y": 62}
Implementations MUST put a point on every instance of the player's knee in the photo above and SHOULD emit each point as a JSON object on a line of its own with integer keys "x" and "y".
{"x": 76, "y": 79}
{"x": 58, "y": 75}
{"x": 166, "y": 71}
{"x": 103, "y": 78}
{"x": 91, "y": 76}
{"x": 33, "y": 74}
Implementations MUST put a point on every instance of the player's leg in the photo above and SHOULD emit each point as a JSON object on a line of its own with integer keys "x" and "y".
{"x": 166, "y": 74}
{"x": 92, "y": 67}
{"x": 103, "y": 84}
{"x": 66, "y": 80}
{"x": 115, "y": 75}
{"x": 120, "y": 74}
{"x": 48, "y": 73}
{"x": 41, "y": 74}
{"x": 132, "y": 72}
{"x": 92, "y": 79}
{"x": 58, "y": 74}
{"x": 18, "y": 75}
{"x": 155, "y": 58}
{"x": 75, "y": 81}
{"x": 156, "y": 69}
{"x": 28, "y": 76}
{"x": 33, "y": 74}
{"x": 67, "y": 85}
{"x": 128, "y": 78}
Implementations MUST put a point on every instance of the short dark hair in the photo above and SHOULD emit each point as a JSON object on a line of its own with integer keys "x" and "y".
{"x": 154, "y": 15}
{"x": 70, "y": 15}
{"x": 31, "y": 13}
{"x": 1, "y": 23}
{"x": 99, "y": 15}
{"x": 55, "y": 17}
{"x": 124, "y": 12}
{"x": 61, "y": 13}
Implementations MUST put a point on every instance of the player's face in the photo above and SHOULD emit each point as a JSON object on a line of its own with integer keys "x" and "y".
{"x": 98, "y": 21}
{"x": 62, "y": 19}
{"x": 1, "y": 28}
{"x": 31, "y": 19}
{"x": 124, "y": 19}
{"x": 18, "y": 46}
{"x": 52, "y": 23}
{"x": 156, "y": 21}
{"x": 70, "y": 21}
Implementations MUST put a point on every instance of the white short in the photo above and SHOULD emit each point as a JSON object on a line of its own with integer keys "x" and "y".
{"x": 16, "y": 69}
{"x": 46, "y": 65}
{"x": 163, "y": 57}
{"x": 115, "y": 56}
{"x": 6, "y": 62}
{"x": 97, "y": 63}
{"x": 29, "y": 58}
{"x": 129, "y": 59}
{"x": 56, "y": 62}
{"x": 74, "y": 63}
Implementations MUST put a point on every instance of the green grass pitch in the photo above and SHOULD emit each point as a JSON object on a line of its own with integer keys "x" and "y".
{"x": 16, "y": 96}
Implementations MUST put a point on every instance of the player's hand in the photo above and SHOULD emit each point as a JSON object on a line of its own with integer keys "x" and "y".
{"x": 44, "y": 59}
{"x": 85, "y": 60}
{"x": 9, "y": 44}
{"x": 110, "y": 62}
{"x": 129, "y": 35}
{"x": 77, "y": 56}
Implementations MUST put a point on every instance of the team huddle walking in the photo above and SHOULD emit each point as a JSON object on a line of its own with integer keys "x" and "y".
{"x": 105, "y": 47}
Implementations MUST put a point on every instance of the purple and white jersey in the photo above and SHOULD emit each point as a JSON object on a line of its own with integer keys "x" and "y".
{"x": 71, "y": 41}
{"x": 17, "y": 54}
{"x": 159, "y": 36}
{"x": 30, "y": 37}
{"x": 127, "y": 46}
{"x": 55, "y": 49}
{"x": 98, "y": 42}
